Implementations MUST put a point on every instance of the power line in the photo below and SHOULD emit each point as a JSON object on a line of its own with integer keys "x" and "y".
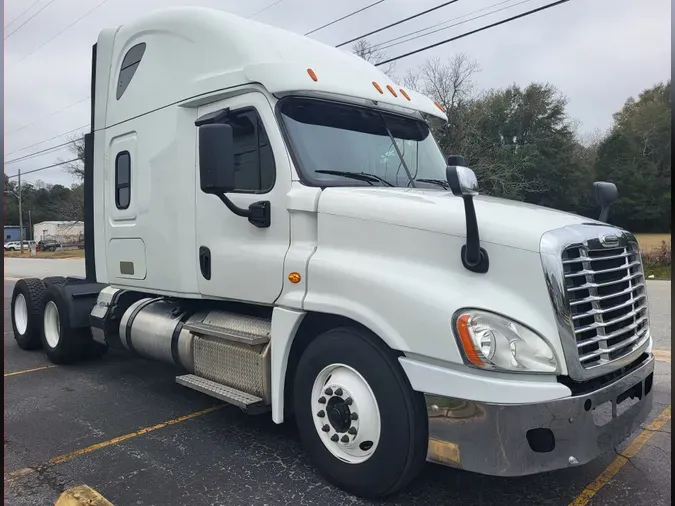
{"x": 377, "y": 46}
{"x": 62, "y": 31}
{"x": 397, "y": 22}
{"x": 35, "y": 14}
{"x": 45, "y": 140}
{"x": 345, "y": 17}
{"x": 24, "y": 12}
{"x": 513, "y": 18}
{"x": 47, "y": 116}
{"x": 37, "y": 153}
{"x": 264, "y": 9}
{"x": 383, "y": 46}
{"x": 45, "y": 168}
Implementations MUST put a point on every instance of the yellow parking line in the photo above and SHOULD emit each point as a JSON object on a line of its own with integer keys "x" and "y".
{"x": 633, "y": 448}
{"x": 662, "y": 355}
{"x": 69, "y": 456}
{"x": 81, "y": 495}
{"x": 28, "y": 370}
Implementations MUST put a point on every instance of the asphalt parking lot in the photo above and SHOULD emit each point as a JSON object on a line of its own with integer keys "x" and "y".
{"x": 122, "y": 426}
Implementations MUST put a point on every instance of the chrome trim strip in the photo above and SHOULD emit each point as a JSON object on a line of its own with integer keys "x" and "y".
{"x": 586, "y": 235}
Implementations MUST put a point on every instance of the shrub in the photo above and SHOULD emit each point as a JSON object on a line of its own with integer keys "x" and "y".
{"x": 658, "y": 257}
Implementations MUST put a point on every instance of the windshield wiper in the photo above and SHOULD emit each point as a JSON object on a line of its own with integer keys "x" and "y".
{"x": 438, "y": 182}
{"x": 398, "y": 152}
{"x": 361, "y": 176}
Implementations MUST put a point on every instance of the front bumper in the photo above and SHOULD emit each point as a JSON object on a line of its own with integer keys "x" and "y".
{"x": 522, "y": 439}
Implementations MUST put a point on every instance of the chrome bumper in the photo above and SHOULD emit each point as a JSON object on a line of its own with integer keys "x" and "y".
{"x": 517, "y": 440}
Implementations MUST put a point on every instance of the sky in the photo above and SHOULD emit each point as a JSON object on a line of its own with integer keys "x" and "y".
{"x": 596, "y": 52}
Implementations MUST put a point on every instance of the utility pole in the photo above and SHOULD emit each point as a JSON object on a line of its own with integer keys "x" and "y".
{"x": 20, "y": 217}
{"x": 30, "y": 227}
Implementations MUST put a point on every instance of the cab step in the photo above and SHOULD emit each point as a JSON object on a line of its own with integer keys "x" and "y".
{"x": 222, "y": 392}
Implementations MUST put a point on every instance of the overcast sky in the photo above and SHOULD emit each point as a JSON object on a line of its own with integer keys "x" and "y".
{"x": 596, "y": 52}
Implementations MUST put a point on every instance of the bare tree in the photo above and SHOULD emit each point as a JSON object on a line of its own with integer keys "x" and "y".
{"x": 76, "y": 148}
{"x": 371, "y": 54}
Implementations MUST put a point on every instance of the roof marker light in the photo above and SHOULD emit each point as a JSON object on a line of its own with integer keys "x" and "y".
{"x": 377, "y": 87}
{"x": 391, "y": 90}
{"x": 439, "y": 106}
{"x": 312, "y": 74}
{"x": 404, "y": 94}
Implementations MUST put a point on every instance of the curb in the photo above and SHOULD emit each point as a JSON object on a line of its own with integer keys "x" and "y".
{"x": 82, "y": 496}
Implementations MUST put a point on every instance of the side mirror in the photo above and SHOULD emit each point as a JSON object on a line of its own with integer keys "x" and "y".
{"x": 462, "y": 180}
{"x": 463, "y": 183}
{"x": 605, "y": 194}
{"x": 216, "y": 158}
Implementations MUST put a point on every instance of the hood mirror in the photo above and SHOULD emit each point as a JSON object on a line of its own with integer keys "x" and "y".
{"x": 462, "y": 179}
{"x": 605, "y": 194}
{"x": 463, "y": 183}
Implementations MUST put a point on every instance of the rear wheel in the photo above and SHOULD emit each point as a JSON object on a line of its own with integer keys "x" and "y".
{"x": 25, "y": 312}
{"x": 360, "y": 421}
{"x": 62, "y": 343}
{"x": 54, "y": 280}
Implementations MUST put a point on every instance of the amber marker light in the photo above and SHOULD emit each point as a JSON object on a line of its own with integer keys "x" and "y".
{"x": 467, "y": 343}
{"x": 391, "y": 90}
{"x": 403, "y": 92}
{"x": 439, "y": 106}
{"x": 312, "y": 74}
{"x": 294, "y": 277}
{"x": 378, "y": 87}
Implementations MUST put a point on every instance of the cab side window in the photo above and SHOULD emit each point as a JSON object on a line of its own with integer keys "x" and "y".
{"x": 255, "y": 170}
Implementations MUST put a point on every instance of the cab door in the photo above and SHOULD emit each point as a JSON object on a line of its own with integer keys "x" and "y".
{"x": 238, "y": 260}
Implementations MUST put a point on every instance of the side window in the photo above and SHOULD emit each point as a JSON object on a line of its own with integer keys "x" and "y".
{"x": 123, "y": 180}
{"x": 129, "y": 66}
{"x": 253, "y": 157}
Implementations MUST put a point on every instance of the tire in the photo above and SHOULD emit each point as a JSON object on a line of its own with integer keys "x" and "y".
{"x": 54, "y": 280}
{"x": 27, "y": 300}
{"x": 62, "y": 343}
{"x": 387, "y": 403}
{"x": 11, "y": 249}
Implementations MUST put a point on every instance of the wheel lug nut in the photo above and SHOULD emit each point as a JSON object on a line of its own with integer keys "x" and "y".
{"x": 345, "y": 439}
{"x": 352, "y": 431}
{"x": 349, "y": 401}
{"x": 334, "y": 438}
{"x": 339, "y": 392}
{"x": 354, "y": 416}
{"x": 325, "y": 428}
{"x": 322, "y": 400}
{"x": 328, "y": 391}
{"x": 321, "y": 414}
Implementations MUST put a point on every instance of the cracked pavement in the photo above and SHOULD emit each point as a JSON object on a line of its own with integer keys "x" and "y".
{"x": 227, "y": 457}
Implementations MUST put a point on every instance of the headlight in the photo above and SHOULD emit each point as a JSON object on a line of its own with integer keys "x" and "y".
{"x": 494, "y": 342}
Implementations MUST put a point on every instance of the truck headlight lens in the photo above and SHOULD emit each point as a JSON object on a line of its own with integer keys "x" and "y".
{"x": 494, "y": 342}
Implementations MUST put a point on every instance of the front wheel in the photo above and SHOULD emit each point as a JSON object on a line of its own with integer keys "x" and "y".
{"x": 360, "y": 421}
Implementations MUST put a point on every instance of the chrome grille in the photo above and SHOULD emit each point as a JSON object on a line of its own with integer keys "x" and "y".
{"x": 606, "y": 292}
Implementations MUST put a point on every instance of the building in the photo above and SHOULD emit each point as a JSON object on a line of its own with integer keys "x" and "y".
{"x": 12, "y": 233}
{"x": 66, "y": 232}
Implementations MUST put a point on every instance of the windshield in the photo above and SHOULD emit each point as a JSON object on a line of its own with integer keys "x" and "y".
{"x": 354, "y": 145}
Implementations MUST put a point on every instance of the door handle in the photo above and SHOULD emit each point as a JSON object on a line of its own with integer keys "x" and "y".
{"x": 205, "y": 261}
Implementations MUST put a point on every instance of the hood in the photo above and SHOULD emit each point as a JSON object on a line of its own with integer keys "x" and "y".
{"x": 500, "y": 221}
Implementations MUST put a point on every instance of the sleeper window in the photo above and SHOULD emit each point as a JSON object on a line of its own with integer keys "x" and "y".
{"x": 123, "y": 180}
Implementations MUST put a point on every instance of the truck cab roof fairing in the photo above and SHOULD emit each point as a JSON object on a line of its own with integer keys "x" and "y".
{"x": 193, "y": 51}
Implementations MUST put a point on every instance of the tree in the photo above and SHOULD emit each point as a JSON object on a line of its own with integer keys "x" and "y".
{"x": 76, "y": 148}
{"x": 371, "y": 54}
{"x": 636, "y": 157}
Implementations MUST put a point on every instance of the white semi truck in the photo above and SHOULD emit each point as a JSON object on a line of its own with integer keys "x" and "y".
{"x": 273, "y": 216}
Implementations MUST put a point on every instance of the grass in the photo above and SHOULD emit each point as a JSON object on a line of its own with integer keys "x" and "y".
{"x": 658, "y": 272}
{"x": 650, "y": 242}
{"x": 69, "y": 253}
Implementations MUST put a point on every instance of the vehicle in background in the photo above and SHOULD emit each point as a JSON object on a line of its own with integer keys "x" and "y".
{"x": 279, "y": 223}
{"x": 16, "y": 245}
{"x": 49, "y": 245}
